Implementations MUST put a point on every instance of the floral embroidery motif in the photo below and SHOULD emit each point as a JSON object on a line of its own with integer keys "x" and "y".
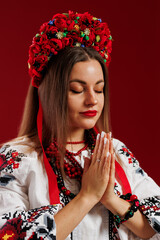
{"x": 45, "y": 231}
{"x": 131, "y": 158}
{"x": 12, "y": 230}
{"x": 150, "y": 207}
{"x": 9, "y": 160}
{"x": 38, "y": 223}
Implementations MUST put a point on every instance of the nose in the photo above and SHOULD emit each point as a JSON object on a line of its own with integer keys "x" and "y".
{"x": 90, "y": 98}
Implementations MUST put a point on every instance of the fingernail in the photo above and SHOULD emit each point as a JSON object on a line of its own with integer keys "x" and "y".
{"x": 108, "y": 154}
{"x": 98, "y": 136}
{"x": 110, "y": 134}
{"x": 105, "y": 140}
{"x": 102, "y": 134}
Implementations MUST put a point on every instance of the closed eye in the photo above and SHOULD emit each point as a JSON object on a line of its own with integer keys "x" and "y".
{"x": 76, "y": 91}
{"x": 99, "y": 91}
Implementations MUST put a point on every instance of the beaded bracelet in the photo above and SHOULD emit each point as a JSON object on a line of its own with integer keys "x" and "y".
{"x": 129, "y": 198}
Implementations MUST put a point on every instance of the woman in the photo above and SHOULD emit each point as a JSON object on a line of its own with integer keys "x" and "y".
{"x": 65, "y": 177}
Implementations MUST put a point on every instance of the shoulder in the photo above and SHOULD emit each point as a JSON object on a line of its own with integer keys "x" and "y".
{"x": 17, "y": 154}
{"x": 119, "y": 146}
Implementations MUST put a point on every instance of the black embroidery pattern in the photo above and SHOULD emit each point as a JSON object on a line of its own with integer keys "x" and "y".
{"x": 140, "y": 171}
{"x": 116, "y": 190}
{"x": 150, "y": 207}
{"x": 131, "y": 158}
{"x": 10, "y": 160}
{"x": 19, "y": 224}
{"x": 113, "y": 233}
{"x": 6, "y": 179}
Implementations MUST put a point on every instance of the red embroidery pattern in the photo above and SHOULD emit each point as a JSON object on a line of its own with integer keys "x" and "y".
{"x": 12, "y": 230}
{"x": 150, "y": 207}
{"x": 37, "y": 223}
{"x": 9, "y": 160}
{"x": 131, "y": 158}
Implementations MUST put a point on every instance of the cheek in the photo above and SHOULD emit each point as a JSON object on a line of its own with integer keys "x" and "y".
{"x": 72, "y": 105}
{"x": 101, "y": 102}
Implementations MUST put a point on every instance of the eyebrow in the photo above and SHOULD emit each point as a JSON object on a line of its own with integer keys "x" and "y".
{"x": 83, "y": 82}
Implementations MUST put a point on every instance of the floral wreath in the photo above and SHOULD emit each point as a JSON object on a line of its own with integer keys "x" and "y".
{"x": 67, "y": 29}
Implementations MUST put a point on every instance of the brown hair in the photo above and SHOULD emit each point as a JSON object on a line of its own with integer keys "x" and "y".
{"x": 53, "y": 93}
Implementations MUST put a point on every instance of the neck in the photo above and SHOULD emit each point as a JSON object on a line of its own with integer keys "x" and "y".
{"x": 75, "y": 135}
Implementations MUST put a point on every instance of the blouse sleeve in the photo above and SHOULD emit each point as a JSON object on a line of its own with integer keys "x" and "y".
{"x": 142, "y": 185}
{"x": 25, "y": 212}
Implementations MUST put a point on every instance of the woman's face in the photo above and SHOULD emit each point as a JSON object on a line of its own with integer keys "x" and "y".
{"x": 85, "y": 96}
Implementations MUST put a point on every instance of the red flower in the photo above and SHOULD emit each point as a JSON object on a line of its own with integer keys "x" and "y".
{"x": 131, "y": 154}
{"x": 41, "y": 59}
{"x": 142, "y": 208}
{"x": 56, "y": 43}
{"x": 67, "y": 41}
{"x": 125, "y": 149}
{"x": 130, "y": 160}
{"x": 11, "y": 161}
{"x": 86, "y": 18}
{"x": 45, "y": 27}
{"x": 35, "y": 49}
{"x": 46, "y": 49}
{"x": 75, "y": 36}
{"x": 60, "y": 23}
{"x": 16, "y": 165}
{"x": 155, "y": 208}
{"x": 14, "y": 154}
{"x": 109, "y": 46}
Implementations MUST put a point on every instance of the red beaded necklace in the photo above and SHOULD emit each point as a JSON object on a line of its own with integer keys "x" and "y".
{"x": 77, "y": 153}
{"x": 76, "y": 142}
{"x": 71, "y": 167}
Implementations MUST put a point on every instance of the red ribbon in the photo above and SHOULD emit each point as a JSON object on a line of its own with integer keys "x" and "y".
{"x": 123, "y": 178}
{"x": 52, "y": 180}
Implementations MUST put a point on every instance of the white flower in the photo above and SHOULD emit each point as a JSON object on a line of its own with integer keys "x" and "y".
{"x": 87, "y": 31}
{"x": 78, "y": 44}
{"x": 59, "y": 35}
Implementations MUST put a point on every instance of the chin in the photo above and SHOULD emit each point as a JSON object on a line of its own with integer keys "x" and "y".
{"x": 89, "y": 125}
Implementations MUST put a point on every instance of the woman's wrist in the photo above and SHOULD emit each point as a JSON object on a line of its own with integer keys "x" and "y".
{"x": 116, "y": 205}
{"x": 88, "y": 198}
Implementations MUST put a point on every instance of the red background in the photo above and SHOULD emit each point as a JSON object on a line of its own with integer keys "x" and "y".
{"x": 134, "y": 70}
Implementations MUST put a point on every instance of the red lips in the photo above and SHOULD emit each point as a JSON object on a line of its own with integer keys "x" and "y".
{"x": 90, "y": 113}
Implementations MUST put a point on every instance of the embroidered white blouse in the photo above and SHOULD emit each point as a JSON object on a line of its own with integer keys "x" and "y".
{"x": 25, "y": 210}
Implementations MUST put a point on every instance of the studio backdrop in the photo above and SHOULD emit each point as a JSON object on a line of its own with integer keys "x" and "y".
{"x": 134, "y": 77}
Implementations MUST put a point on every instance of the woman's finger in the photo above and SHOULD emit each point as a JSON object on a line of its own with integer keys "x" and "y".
{"x": 106, "y": 165}
{"x": 105, "y": 148}
{"x": 101, "y": 146}
{"x": 112, "y": 169}
{"x": 96, "y": 147}
{"x": 97, "y": 154}
{"x": 111, "y": 146}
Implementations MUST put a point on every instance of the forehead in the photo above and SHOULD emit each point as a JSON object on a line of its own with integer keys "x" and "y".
{"x": 87, "y": 71}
